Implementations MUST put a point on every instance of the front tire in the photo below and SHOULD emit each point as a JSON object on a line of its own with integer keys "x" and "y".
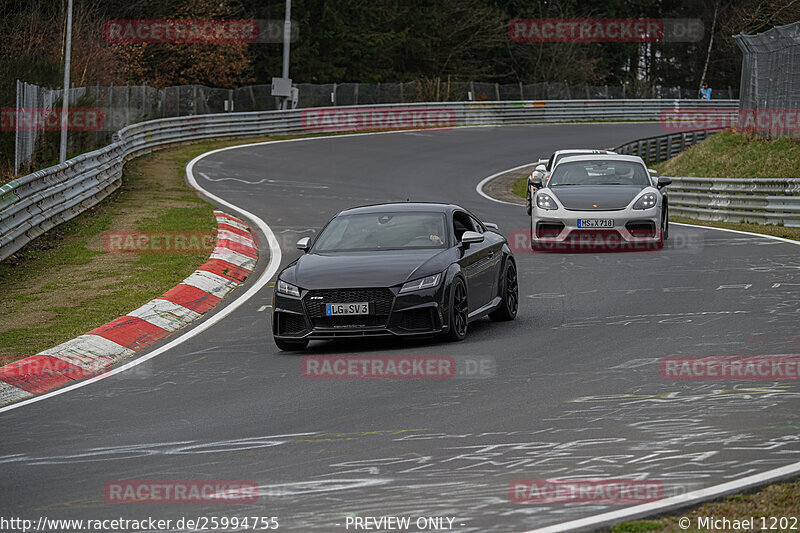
{"x": 459, "y": 311}
{"x": 510, "y": 295}
{"x": 662, "y": 233}
{"x": 291, "y": 346}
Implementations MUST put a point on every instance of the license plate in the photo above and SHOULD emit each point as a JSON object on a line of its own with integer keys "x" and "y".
{"x": 595, "y": 223}
{"x": 361, "y": 308}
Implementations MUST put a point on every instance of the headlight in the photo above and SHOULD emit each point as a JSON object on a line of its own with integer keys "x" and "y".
{"x": 421, "y": 283}
{"x": 544, "y": 201}
{"x": 647, "y": 201}
{"x": 288, "y": 288}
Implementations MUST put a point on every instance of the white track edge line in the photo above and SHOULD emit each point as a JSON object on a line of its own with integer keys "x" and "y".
{"x": 696, "y": 496}
{"x": 484, "y": 181}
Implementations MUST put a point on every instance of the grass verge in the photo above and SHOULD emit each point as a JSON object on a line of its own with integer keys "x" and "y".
{"x": 519, "y": 187}
{"x": 777, "y": 500}
{"x": 65, "y": 283}
{"x": 736, "y": 155}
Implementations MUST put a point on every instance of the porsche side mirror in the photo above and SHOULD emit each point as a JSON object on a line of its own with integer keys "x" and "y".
{"x": 304, "y": 244}
{"x": 471, "y": 237}
{"x": 491, "y": 225}
{"x": 540, "y": 168}
{"x": 652, "y": 171}
{"x": 663, "y": 182}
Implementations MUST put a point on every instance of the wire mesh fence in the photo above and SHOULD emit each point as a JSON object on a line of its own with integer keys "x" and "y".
{"x": 770, "y": 86}
{"x": 32, "y": 127}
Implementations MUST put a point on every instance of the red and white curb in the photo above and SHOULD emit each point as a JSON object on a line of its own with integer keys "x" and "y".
{"x": 95, "y": 352}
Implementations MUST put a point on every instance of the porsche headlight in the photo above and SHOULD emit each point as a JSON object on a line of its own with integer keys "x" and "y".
{"x": 421, "y": 283}
{"x": 544, "y": 201}
{"x": 288, "y": 288}
{"x": 647, "y": 201}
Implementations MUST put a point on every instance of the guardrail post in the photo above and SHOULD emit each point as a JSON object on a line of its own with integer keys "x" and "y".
{"x": 669, "y": 147}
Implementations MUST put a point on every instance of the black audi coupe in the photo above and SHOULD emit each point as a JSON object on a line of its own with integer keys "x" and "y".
{"x": 405, "y": 269}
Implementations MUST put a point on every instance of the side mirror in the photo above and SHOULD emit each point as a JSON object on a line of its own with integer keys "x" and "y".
{"x": 663, "y": 182}
{"x": 471, "y": 237}
{"x": 652, "y": 172}
{"x": 540, "y": 168}
{"x": 491, "y": 225}
{"x": 304, "y": 244}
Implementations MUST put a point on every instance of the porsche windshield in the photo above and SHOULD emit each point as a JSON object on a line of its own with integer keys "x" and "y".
{"x": 383, "y": 231}
{"x": 600, "y": 172}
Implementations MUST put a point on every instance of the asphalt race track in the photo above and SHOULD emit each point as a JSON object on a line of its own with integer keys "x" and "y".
{"x": 574, "y": 392}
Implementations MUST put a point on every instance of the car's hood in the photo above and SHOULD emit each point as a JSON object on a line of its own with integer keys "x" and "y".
{"x": 595, "y": 197}
{"x": 362, "y": 269}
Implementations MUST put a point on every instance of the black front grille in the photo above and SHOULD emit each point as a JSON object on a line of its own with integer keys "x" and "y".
{"x": 381, "y": 299}
{"x": 355, "y": 321}
{"x": 289, "y": 324}
{"x": 416, "y": 319}
{"x": 380, "y": 305}
{"x": 597, "y": 236}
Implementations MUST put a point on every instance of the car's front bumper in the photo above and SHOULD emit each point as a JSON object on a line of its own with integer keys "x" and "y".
{"x": 417, "y": 313}
{"x": 559, "y": 229}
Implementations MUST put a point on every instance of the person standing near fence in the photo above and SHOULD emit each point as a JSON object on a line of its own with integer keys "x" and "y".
{"x": 705, "y": 92}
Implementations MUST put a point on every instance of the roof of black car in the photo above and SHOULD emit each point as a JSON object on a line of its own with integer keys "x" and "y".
{"x": 401, "y": 206}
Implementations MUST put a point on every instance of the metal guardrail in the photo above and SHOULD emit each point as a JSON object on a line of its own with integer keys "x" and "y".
{"x": 759, "y": 200}
{"x": 663, "y": 147}
{"x": 35, "y": 203}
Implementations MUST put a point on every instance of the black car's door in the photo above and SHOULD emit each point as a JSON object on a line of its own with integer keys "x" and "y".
{"x": 494, "y": 244}
{"x": 477, "y": 262}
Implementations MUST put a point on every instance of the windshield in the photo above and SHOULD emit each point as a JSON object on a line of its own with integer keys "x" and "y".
{"x": 559, "y": 157}
{"x": 600, "y": 172}
{"x": 383, "y": 231}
